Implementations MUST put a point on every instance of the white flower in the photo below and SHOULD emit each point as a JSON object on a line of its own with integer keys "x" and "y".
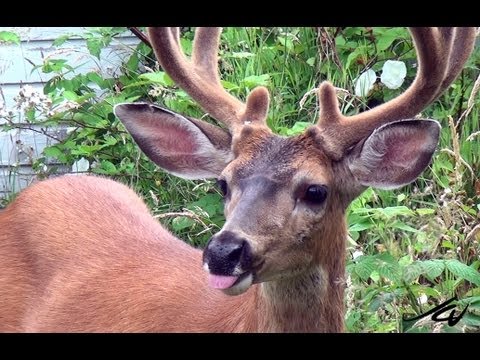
{"x": 357, "y": 253}
{"x": 27, "y": 91}
{"x": 70, "y": 129}
{"x": 393, "y": 74}
{"x": 81, "y": 165}
{"x": 422, "y": 299}
{"x": 364, "y": 83}
{"x": 64, "y": 106}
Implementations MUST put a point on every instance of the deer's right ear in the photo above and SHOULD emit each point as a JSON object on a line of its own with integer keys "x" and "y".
{"x": 395, "y": 154}
{"x": 185, "y": 147}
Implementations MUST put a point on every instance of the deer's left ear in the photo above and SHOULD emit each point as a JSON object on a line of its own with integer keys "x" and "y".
{"x": 394, "y": 154}
{"x": 186, "y": 147}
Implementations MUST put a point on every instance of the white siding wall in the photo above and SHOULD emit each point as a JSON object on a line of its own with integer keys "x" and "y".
{"x": 19, "y": 147}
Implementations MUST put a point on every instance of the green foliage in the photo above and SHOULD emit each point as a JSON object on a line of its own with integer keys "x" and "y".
{"x": 9, "y": 37}
{"x": 418, "y": 242}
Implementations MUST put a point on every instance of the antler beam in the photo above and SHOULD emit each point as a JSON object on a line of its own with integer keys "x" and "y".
{"x": 200, "y": 79}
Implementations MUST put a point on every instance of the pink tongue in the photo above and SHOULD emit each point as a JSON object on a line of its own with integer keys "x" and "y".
{"x": 220, "y": 281}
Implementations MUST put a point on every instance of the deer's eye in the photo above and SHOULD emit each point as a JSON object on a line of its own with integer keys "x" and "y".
{"x": 316, "y": 194}
{"x": 222, "y": 185}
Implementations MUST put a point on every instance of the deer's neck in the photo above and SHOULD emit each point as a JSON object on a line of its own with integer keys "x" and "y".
{"x": 313, "y": 300}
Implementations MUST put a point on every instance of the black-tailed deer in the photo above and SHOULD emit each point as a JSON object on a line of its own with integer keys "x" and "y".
{"x": 83, "y": 253}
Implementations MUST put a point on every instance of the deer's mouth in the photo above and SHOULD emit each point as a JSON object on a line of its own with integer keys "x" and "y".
{"x": 231, "y": 285}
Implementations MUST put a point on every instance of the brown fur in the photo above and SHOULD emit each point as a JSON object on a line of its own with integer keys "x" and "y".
{"x": 92, "y": 259}
{"x": 83, "y": 253}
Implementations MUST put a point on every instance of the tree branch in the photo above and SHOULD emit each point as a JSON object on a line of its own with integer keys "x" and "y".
{"x": 140, "y": 35}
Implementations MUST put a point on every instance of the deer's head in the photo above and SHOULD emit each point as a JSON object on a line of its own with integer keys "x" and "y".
{"x": 285, "y": 197}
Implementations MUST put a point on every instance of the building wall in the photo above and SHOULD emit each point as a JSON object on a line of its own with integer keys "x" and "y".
{"x": 19, "y": 147}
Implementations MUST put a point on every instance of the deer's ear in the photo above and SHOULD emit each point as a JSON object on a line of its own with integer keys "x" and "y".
{"x": 188, "y": 148}
{"x": 394, "y": 154}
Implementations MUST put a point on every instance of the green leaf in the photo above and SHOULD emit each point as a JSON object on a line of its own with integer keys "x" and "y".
{"x": 390, "y": 272}
{"x": 402, "y": 226}
{"x": 299, "y": 127}
{"x": 425, "y": 211}
{"x": 82, "y": 150}
{"x": 90, "y": 119}
{"x": 108, "y": 167}
{"x": 186, "y": 45}
{"x": 210, "y": 203}
{"x": 70, "y": 95}
{"x": 94, "y": 46}
{"x": 132, "y": 63}
{"x": 61, "y": 40}
{"x": 9, "y": 37}
{"x": 432, "y": 268}
{"x": 468, "y": 210}
{"x": 387, "y": 266}
{"x": 285, "y": 42}
{"x": 387, "y": 37}
{"x": 385, "y": 41}
{"x": 158, "y": 77}
{"x": 110, "y": 141}
{"x": 311, "y": 61}
{"x": 229, "y": 85}
{"x": 30, "y": 114}
{"x": 365, "y": 266}
{"x": 463, "y": 271}
{"x": 448, "y": 244}
{"x": 340, "y": 41}
{"x": 412, "y": 272}
{"x": 392, "y": 211}
{"x": 352, "y": 319}
{"x": 470, "y": 319}
{"x": 256, "y": 80}
{"x": 55, "y": 65}
{"x": 359, "y": 50}
{"x": 95, "y": 78}
{"x": 472, "y": 301}
{"x": 387, "y": 258}
{"x": 375, "y": 276}
{"x": 360, "y": 226}
{"x": 182, "y": 222}
{"x": 52, "y": 151}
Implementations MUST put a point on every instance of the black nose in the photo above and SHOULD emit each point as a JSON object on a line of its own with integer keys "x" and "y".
{"x": 225, "y": 251}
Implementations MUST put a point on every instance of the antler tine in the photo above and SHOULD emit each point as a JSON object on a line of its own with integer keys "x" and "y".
{"x": 441, "y": 54}
{"x": 462, "y": 47}
{"x": 204, "y": 54}
{"x": 200, "y": 79}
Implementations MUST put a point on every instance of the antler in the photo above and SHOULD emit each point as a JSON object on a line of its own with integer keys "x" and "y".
{"x": 199, "y": 76}
{"x": 441, "y": 54}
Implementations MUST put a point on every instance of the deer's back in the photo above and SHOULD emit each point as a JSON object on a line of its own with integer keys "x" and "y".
{"x": 83, "y": 253}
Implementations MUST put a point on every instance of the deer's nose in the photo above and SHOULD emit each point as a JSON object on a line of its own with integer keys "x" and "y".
{"x": 227, "y": 252}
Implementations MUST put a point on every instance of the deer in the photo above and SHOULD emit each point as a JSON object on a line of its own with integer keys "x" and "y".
{"x": 84, "y": 254}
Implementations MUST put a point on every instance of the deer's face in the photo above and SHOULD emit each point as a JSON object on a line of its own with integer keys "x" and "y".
{"x": 278, "y": 192}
